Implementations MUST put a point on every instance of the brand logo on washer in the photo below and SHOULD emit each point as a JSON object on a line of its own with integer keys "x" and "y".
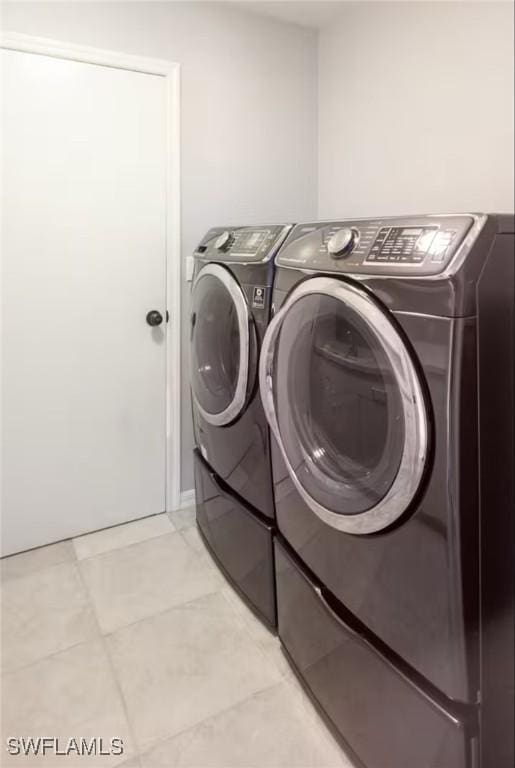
{"x": 258, "y": 297}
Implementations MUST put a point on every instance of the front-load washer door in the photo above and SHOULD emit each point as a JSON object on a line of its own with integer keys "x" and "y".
{"x": 346, "y": 405}
{"x": 219, "y": 345}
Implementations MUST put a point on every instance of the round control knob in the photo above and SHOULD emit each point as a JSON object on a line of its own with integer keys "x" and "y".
{"x": 342, "y": 242}
{"x": 223, "y": 241}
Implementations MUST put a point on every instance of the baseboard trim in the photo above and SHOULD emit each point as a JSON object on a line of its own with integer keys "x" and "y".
{"x": 187, "y": 498}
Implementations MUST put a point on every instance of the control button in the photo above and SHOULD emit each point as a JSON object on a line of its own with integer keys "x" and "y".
{"x": 440, "y": 245}
{"x": 223, "y": 241}
{"x": 425, "y": 240}
{"x": 342, "y": 242}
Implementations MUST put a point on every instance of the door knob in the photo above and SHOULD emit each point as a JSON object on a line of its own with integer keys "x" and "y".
{"x": 154, "y": 317}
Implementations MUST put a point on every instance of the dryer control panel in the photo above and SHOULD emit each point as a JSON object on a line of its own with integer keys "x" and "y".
{"x": 242, "y": 244}
{"x": 410, "y": 245}
{"x": 413, "y": 245}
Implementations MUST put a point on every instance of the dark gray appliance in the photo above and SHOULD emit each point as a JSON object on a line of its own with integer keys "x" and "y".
{"x": 230, "y": 310}
{"x": 387, "y": 375}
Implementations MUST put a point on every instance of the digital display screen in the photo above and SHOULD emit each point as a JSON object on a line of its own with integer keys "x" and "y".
{"x": 254, "y": 238}
{"x": 412, "y": 231}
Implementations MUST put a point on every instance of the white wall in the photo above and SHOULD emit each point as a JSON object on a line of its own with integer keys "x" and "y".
{"x": 416, "y": 109}
{"x": 248, "y": 118}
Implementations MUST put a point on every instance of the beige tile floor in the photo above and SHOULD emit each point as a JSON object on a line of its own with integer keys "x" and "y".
{"x": 132, "y": 633}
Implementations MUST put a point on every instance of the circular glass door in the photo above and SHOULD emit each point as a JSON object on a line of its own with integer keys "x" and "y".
{"x": 219, "y": 345}
{"x": 345, "y": 404}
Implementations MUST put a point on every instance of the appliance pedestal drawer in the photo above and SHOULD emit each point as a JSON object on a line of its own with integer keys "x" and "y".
{"x": 239, "y": 540}
{"x": 385, "y": 719}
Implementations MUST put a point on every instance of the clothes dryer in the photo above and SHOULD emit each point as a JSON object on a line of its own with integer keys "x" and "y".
{"x": 387, "y": 379}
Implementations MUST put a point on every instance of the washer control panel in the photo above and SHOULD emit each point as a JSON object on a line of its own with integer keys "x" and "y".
{"x": 242, "y": 244}
{"x": 414, "y": 245}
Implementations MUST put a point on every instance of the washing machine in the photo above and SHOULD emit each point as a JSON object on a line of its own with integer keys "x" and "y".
{"x": 387, "y": 376}
{"x": 230, "y": 310}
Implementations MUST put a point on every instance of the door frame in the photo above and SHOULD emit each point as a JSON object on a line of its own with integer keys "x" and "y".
{"x": 170, "y": 70}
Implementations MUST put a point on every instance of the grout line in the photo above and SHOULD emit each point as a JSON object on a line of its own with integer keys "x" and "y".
{"x": 68, "y": 561}
{"x": 112, "y": 667}
{"x": 49, "y": 656}
{"x": 161, "y": 612}
{"x": 86, "y": 533}
{"x": 183, "y": 527}
{"x": 237, "y": 610}
{"x": 35, "y": 549}
{"x": 127, "y": 546}
{"x": 72, "y": 539}
{"x": 121, "y": 525}
{"x": 117, "y": 525}
{"x": 87, "y": 604}
{"x": 105, "y": 634}
{"x": 140, "y": 749}
{"x": 224, "y": 583}
{"x": 223, "y": 711}
{"x": 237, "y": 616}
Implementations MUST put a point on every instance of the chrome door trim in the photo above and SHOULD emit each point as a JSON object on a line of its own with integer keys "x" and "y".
{"x": 240, "y": 395}
{"x": 415, "y": 449}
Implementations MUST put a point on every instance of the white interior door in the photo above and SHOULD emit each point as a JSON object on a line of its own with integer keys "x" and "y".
{"x": 84, "y": 260}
